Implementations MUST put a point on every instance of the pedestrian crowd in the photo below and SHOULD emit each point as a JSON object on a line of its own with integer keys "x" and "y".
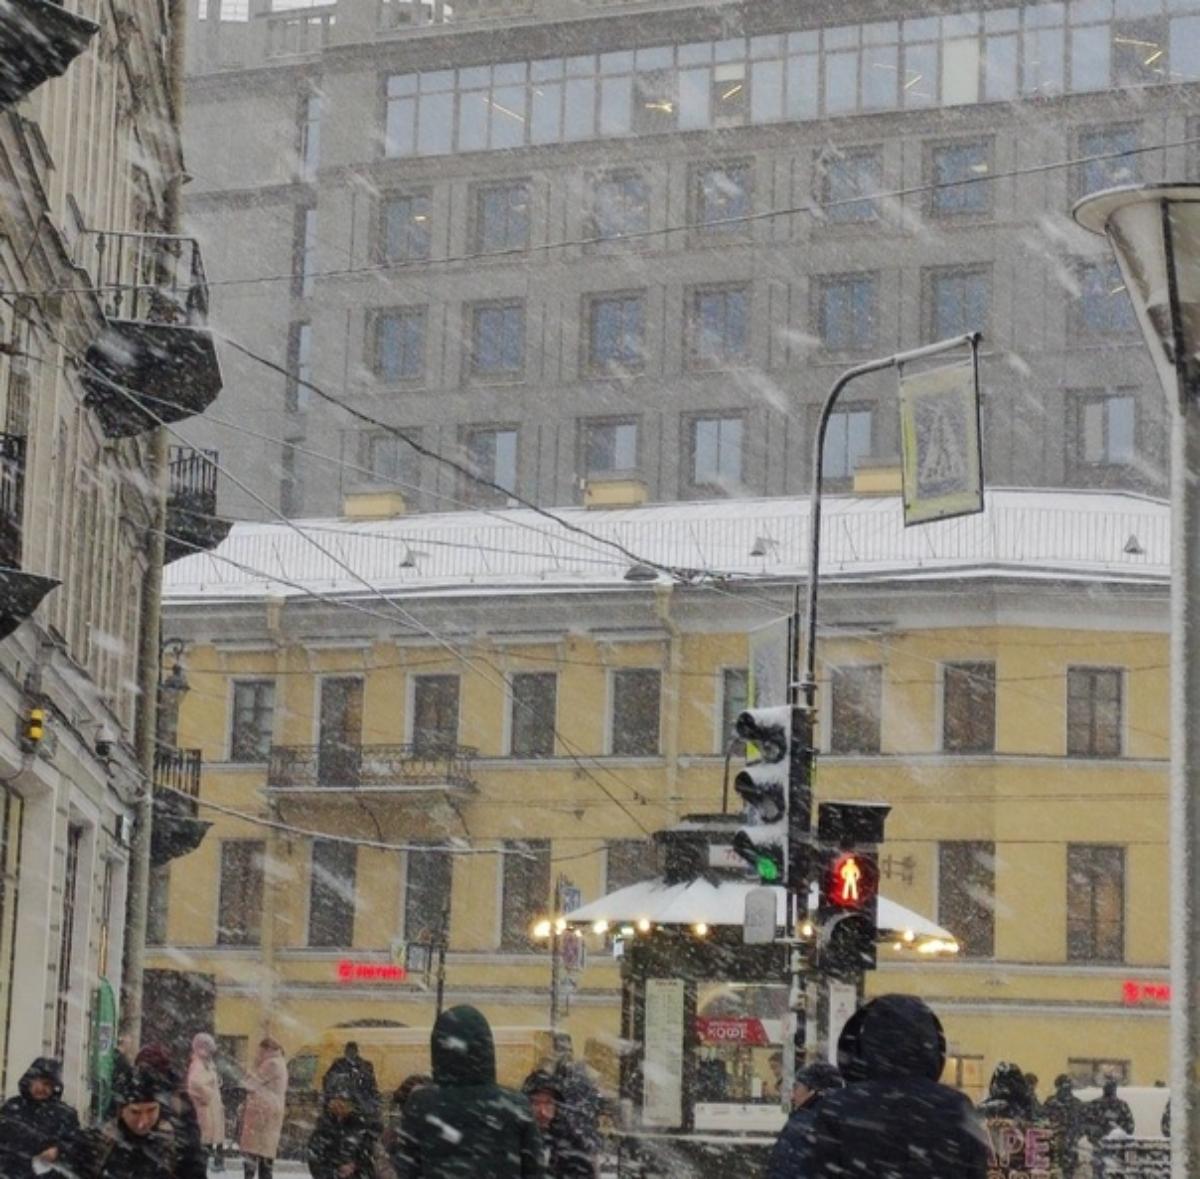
{"x": 881, "y": 1112}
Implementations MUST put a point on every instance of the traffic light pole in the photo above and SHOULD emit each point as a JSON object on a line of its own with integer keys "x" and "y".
{"x": 803, "y": 694}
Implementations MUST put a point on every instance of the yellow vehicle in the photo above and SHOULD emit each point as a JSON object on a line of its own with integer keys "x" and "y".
{"x": 397, "y": 1052}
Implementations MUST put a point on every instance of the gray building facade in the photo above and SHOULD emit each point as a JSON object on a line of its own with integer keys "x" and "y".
{"x": 571, "y": 244}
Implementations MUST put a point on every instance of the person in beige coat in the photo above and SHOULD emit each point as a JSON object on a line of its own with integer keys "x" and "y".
{"x": 262, "y": 1115}
{"x": 204, "y": 1088}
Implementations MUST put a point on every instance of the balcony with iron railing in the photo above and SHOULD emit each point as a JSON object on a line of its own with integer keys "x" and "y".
{"x": 177, "y": 828}
{"x": 192, "y": 522}
{"x": 397, "y": 769}
{"x": 155, "y": 361}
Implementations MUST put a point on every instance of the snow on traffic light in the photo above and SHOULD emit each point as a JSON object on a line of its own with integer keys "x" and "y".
{"x": 763, "y": 787}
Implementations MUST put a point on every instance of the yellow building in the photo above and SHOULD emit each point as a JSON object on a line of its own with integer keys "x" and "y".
{"x": 531, "y": 703}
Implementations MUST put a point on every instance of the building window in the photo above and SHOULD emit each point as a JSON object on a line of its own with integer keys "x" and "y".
{"x": 959, "y": 302}
{"x": 848, "y": 183}
{"x": 428, "y": 878}
{"x": 406, "y": 228}
{"x": 253, "y": 720}
{"x": 856, "y": 698}
{"x": 722, "y": 197}
{"x": 331, "y": 894}
{"x": 735, "y": 699}
{"x": 1089, "y": 1072}
{"x": 1106, "y": 429}
{"x": 616, "y": 333}
{"x": 492, "y": 455}
{"x": 310, "y": 136}
{"x": 1139, "y": 51}
{"x": 1117, "y": 164}
{"x": 291, "y": 484}
{"x": 847, "y": 311}
{"x": 1095, "y": 903}
{"x": 66, "y": 942}
{"x": 400, "y": 344}
{"x": 719, "y": 326}
{"x": 620, "y": 206}
{"x": 629, "y": 861}
{"x": 387, "y": 459}
{"x": 498, "y": 340}
{"x": 966, "y": 1074}
{"x": 636, "y": 704}
{"x": 502, "y": 218}
{"x": 158, "y": 904}
{"x": 730, "y": 97}
{"x": 967, "y": 895}
{"x": 534, "y": 713}
{"x": 435, "y": 715}
{"x": 1104, "y": 305}
{"x": 655, "y": 99}
{"x": 610, "y": 448}
{"x": 304, "y": 255}
{"x": 716, "y": 453}
{"x": 297, "y": 393}
{"x": 1094, "y": 711}
{"x": 240, "y": 896}
{"x": 956, "y": 171}
{"x": 526, "y": 892}
{"x": 969, "y": 707}
{"x": 847, "y": 441}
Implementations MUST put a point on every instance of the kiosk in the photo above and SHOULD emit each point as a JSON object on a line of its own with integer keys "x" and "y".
{"x": 704, "y": 1017}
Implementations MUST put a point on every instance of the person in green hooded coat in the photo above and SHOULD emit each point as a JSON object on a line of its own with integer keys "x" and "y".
{"x": 464, "y": 1124}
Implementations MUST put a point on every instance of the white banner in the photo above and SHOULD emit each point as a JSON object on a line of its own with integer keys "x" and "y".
{"x": 940, "y": 444}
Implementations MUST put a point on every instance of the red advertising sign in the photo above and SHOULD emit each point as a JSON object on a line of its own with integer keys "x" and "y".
{"x": 385, "y": 972}
{"x": 1137, "y": 994}
{"x": 732, "y": 1030}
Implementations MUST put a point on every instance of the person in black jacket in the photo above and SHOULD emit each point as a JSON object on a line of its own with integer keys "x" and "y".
{"x": 566, "y": 1155}
{"x": 353, "y": 1071}
{"x": 154, "y": 1063}
{"x": 790, "y": 1154}
{"x": 37, "y": 1123}
{"x": 894, "y": 1120}
{"x": 139, "y": 1143}
{"x": 1008, "y": 1095}
{"x": 465, "y": 1125}
{"x": 1107, "y": 1113}
{"x": 342, "y": 1145}
{"x": 1065, "y": 1113}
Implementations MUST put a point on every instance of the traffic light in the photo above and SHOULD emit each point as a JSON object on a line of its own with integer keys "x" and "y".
{"x": 849, "y": 835}
{"x": 763, "y": 787}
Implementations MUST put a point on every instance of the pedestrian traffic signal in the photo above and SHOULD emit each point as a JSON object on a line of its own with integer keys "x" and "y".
{"x": 848, "y": 835}
{"x": 763, "y": 788}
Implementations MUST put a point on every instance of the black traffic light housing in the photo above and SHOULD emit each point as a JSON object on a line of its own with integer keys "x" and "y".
{"x": 848, "y": 838}
{"x": 763, "y": 787}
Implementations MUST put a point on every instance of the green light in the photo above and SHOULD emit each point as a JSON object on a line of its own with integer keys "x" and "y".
{"x": 768, "y": 869}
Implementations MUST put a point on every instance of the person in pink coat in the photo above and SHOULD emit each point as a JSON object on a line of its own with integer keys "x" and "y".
{"x": 262, "y": 1115}
{"x": 204, "y": 1088}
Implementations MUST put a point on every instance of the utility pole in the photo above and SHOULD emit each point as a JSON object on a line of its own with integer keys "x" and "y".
{"x": 555, "y": 953}
{"x": 443, "y": 939}
{"x": 803, "y": 702}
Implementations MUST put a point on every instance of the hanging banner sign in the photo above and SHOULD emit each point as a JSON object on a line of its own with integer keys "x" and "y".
{"x": 662, "y": 1062}
{"x": 940, "y": 443}
{"x": 732, "y": 1030}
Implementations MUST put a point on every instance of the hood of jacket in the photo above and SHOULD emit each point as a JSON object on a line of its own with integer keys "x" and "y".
{"x": 1008, "y": 1084}
{"x": 462, "y": 1049}
{"x": 891, "y": 1037}
{"x": 43, "y": 1068}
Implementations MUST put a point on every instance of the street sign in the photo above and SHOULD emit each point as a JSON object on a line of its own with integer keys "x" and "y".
{"x": 758, "y": 925}
{"x": 843, "y": 1000}
{"x": 569, "y": 898}
{"x": 574, "y": 952}
{"x": 940, "y": 442}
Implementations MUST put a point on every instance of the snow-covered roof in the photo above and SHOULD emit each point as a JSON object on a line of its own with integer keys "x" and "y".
{"x": 1114, "y": 536}
{"x": 724, "y": 903}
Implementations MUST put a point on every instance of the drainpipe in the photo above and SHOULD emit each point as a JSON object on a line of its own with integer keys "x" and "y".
{"x": 662, "y": 609}
{"x": 149, "y": 656}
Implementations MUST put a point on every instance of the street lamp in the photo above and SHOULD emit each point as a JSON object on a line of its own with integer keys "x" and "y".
{"x": 1154, "y": 231}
